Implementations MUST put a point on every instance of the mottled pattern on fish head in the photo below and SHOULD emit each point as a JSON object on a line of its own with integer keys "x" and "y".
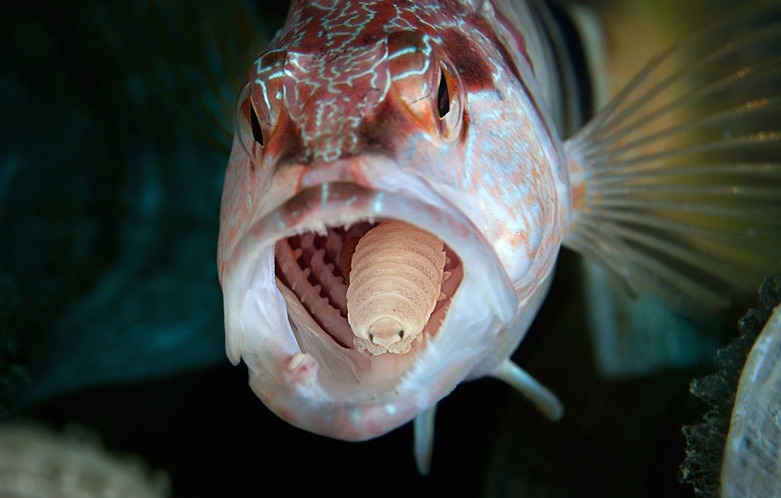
{"x": 355, "y": 78}
{"x": 357, "y": 91}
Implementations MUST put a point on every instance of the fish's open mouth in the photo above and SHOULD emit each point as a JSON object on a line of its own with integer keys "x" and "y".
{"x": 288, "y": 293}
{"x": 315, "y": 269}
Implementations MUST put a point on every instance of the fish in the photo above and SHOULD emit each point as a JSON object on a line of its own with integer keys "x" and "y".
{"x": 457, "y": 118}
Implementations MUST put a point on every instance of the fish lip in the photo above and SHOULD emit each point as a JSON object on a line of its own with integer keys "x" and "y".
{"x": 301, "y": 399}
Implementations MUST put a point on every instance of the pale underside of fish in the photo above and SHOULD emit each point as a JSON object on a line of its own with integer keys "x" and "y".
{"x": 401, "y": 182}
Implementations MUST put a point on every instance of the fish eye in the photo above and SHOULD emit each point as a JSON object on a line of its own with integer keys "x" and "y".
{"x": 449, "y": 104}
{"x": 259, "y": 104}
{"x": 443, "y": 95}
{"x": 427, "y": 83}
{"x": 247, "y": 123}
{"x": 257, "y": 132}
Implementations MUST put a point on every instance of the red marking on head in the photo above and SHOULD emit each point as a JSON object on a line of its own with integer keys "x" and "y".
{"x": 469, "y": 60}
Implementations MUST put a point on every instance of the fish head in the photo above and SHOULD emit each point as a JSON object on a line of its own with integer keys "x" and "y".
{"x": 340, "y": 127}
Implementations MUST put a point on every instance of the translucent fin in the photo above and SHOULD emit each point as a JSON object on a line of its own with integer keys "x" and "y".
{"x": 423, "y": 427}
{"x": 543, "y": 399}
{"x": 677, "y": 182}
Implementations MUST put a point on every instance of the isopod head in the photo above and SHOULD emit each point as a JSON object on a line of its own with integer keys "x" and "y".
{"x": 386, "y": 332}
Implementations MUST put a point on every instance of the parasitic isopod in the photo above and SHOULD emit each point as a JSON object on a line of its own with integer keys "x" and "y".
{"x": 395, "y": 281}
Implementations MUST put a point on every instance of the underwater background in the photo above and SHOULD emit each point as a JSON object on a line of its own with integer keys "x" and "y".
{"x": 114, "y": 120}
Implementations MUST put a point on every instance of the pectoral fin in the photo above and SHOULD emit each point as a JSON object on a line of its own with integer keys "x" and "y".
{"x": 677, "y": 181}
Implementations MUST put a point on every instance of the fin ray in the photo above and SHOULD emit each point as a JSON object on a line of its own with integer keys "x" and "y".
{"x": 704, "y": 53}
{"x": 728, "y": 116}
{"x": 680, "y": 173}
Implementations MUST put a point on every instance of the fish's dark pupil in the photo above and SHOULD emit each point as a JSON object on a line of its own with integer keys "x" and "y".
{"x": 443, "y": 95}
{"x": 257, "y": 133}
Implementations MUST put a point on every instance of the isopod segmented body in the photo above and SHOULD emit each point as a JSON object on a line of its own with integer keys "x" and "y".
{"x": 395, "y": 281}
